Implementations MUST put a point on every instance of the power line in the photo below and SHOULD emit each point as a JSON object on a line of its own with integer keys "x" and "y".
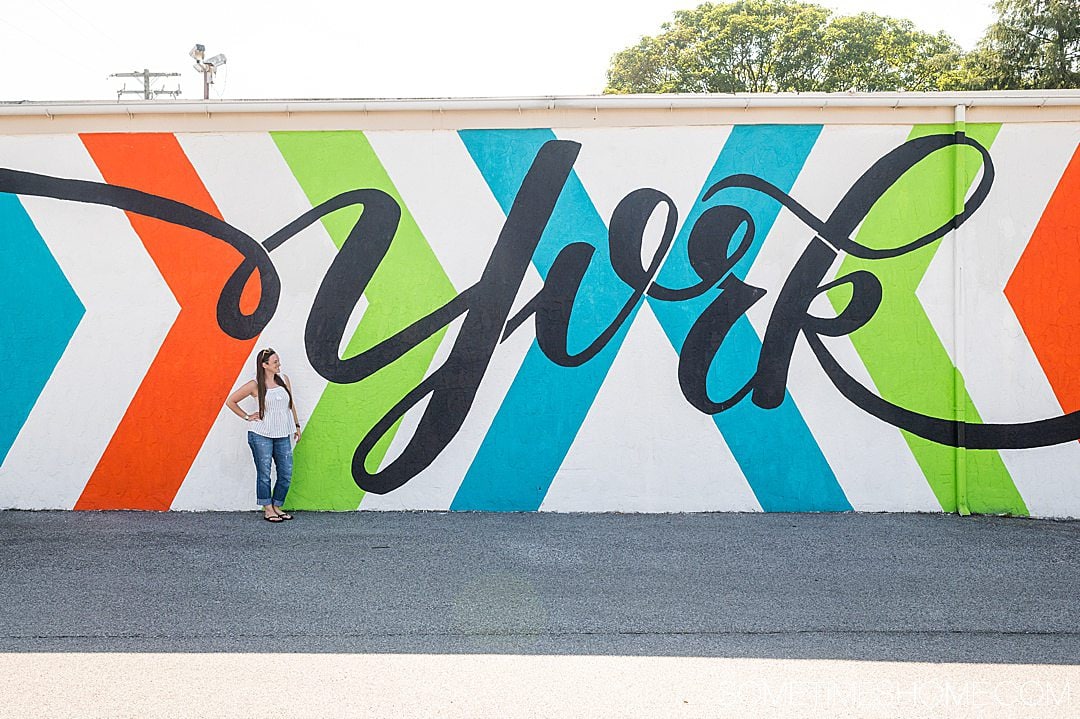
{"x": 224, "y": 84}
{"x": 40, "y": 42}
{"x": 87, "y": 22}
{"x": 60, "y": 17}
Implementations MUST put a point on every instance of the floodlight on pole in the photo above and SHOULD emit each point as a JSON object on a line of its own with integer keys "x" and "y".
{"x": 207, "y": 67}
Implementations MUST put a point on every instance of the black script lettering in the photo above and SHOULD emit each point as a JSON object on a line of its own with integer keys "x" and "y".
{"x": 710, "y": 252}
{"x": 791, "y": 316}
{"x": 452, "y": 387}
{"x": 256, "y": 258}
{"x": 704, "y": 339}
{"x": 554, "y": 305}
{"x": 791, "y": 313}
{"x": 712, "y": 257}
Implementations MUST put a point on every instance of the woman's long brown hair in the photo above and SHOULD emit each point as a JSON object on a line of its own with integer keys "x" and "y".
{"x": 260, "y": 379}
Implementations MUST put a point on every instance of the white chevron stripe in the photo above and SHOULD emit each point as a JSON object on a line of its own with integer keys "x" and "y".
{"x": 642, "y": 447}
{"x": 255, "y": 191}
{"x": 129, "y": 310}
{"x": 937, "y": 289}
{"x": 1002, "y": 373}
{"x": 870, "y": 459}
{"x": 461, "y": 220}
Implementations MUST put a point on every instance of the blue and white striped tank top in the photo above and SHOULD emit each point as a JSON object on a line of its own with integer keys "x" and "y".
{"x": 277, "y": 418}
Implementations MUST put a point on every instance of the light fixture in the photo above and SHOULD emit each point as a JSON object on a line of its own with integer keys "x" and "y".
{"x": 207, "y": 67}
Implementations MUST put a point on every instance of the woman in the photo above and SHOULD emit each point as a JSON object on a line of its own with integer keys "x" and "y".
{"x": 268, "y": 436}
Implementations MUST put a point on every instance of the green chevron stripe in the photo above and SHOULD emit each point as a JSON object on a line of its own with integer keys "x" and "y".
{"x": 901, "y": 351}
{"x": 409, "y": 284}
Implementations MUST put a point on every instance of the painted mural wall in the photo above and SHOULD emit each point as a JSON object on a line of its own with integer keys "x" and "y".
{"x": 733, "y": 317}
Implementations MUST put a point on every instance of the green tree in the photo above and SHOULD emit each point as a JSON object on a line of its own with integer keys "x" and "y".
{"x": 783, "y": 46}
{"x": 1034, "y": 44}
{"x": 875, "y": 53}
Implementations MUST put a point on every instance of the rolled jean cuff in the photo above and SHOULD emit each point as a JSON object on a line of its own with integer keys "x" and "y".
{"x": 263, "y": 501}
{"x": 276, "y": 503}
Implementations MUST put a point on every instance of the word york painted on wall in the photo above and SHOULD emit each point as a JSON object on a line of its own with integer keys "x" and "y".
{"x": 719, "y": 238}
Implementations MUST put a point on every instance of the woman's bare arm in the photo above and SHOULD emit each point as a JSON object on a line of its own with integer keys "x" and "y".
{"x": 248, "y": 389}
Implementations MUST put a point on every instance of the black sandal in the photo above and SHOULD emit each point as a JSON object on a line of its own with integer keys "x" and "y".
{"x": 283, "y": 515}
{"x": 274, "y": 519}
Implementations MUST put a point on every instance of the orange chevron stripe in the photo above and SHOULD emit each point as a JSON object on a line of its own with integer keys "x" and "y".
{"x": 195, "y": 369}
{"x": 1044, "y": 290}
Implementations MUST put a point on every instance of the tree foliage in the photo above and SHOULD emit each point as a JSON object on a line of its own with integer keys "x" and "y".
{"x": 793, "y": 46}
{"x": 784, "y": 46}
{"x": 1034, "y": 44}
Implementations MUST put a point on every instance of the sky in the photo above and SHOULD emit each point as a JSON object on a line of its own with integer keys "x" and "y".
{"x": 66, "y": 49}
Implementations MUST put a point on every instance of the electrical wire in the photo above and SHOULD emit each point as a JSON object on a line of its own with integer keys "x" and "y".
{"x": 224, "y": 83}
{"x": 63, "y": 19}
{"x": 40, "y": 42}
{"x": 80, "y": 22}
{"x": 90, "y": 23}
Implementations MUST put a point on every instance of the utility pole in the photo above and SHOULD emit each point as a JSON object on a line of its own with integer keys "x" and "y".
{"x": 148, "y": 92}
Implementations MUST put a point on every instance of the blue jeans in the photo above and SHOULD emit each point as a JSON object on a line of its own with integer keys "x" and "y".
{"x": 263, "y": 449}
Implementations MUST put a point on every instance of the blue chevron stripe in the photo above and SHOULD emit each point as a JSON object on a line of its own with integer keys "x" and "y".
{"x": 775, "y": 449}
{"x": 546, "y": 404}
{"x": 39, "y": 312}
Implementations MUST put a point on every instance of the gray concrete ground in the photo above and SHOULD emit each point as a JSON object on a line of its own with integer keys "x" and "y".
{"x": 702, "y": 599}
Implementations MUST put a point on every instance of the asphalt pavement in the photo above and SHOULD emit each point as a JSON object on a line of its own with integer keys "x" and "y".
{"x": 683, "y": 604}
{"x": 840, "y": 586}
